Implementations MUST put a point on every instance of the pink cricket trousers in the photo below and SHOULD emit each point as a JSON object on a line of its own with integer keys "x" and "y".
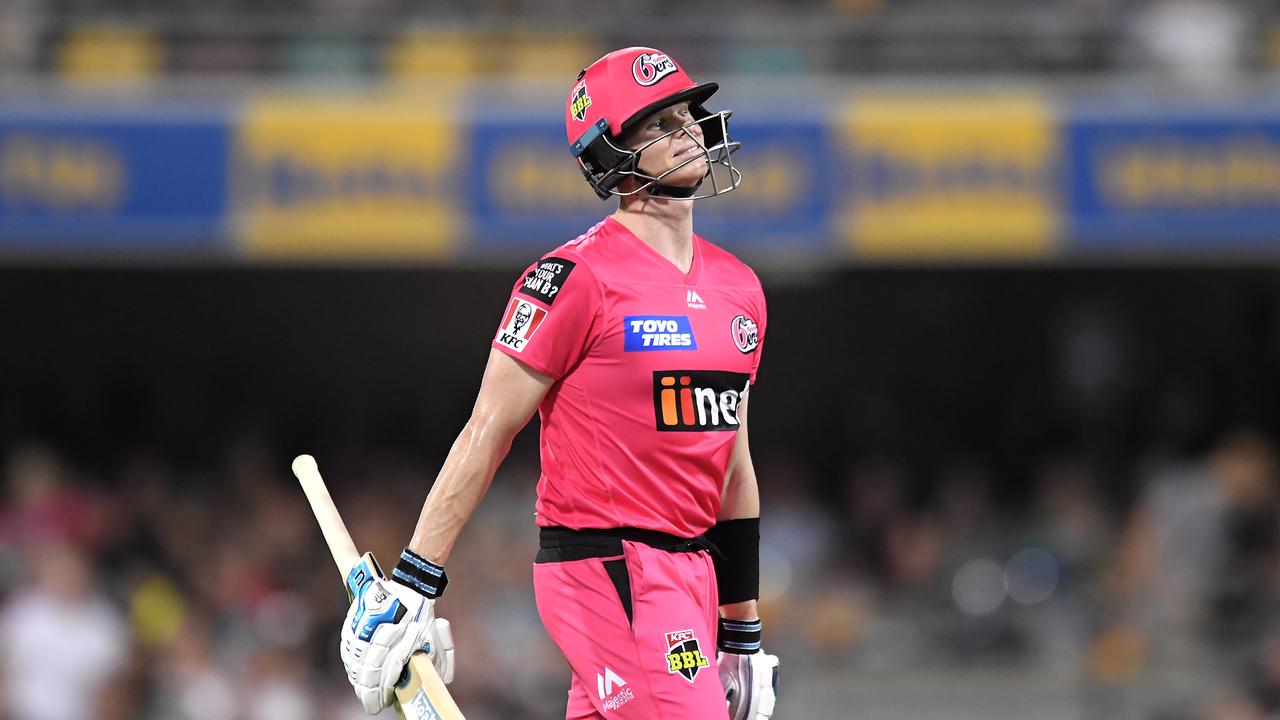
{"x": 638, "y": 627}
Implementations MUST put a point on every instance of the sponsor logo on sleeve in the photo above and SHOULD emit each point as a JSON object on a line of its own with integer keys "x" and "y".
{"x": 545, "y": 281}
{"x": 580, "y": 102}
{"x": 646, "y": 333}
{"x": 697, "y": 400}
{"x": 520, "y": 322}
{"x": 684, "y": 655}
{"x": 746, "y": 337}
{"x": 649, "y": 68}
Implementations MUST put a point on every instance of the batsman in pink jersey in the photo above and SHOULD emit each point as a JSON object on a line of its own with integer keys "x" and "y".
{"x": 638, "y": 344}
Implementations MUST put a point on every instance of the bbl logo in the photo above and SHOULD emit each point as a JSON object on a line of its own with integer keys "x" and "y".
{"x": 684, "y": 656}
{"x": 581, "y": 101}
{"x": 746, "y": 337}
{"x": 697, "y": 400}
{"x": 649, "y": 68}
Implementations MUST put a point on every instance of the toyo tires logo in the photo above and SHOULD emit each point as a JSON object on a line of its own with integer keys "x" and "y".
{"x": 649, "y": 68}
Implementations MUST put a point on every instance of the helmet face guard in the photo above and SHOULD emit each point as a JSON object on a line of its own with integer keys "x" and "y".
{"x": 620, "y": 90}
{"x": 606, "y": 163}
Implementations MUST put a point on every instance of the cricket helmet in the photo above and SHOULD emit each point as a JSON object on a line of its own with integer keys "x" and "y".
{"x": 614, "y": 94}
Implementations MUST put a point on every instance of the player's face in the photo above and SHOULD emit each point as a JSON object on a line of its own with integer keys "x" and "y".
{"x": 682, "y": 149}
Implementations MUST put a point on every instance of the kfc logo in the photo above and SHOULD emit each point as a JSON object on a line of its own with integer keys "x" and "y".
{"x": 519, "y": 324}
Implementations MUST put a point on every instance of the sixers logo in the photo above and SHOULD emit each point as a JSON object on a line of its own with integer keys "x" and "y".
{"x": 649, "y": 68}
{"x": 746, "y": 336}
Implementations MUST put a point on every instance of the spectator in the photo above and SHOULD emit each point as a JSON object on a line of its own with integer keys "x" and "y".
{"x": 61, "y": 640}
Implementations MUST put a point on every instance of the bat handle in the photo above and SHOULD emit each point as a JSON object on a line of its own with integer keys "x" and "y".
{"x": 343, "y": 549}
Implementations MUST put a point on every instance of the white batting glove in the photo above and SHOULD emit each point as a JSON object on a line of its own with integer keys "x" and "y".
{"x": 748, "y": 674}
{"x": 750, "y": 684}
{"x": 387, "y": 622}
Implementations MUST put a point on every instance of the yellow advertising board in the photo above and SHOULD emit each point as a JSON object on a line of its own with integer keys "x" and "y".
{"x": 347, "y": 177}
{"x": 950, "y": 177}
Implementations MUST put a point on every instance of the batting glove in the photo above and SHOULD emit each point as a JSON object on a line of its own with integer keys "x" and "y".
{"x": 749, "y": 675}
{"x": 387, "y": 622}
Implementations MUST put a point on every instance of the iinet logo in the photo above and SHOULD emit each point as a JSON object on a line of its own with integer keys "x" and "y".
{"x": 605, "y": 686}
{"x": 694, "y": 300}
{"x": 697, "y": 400}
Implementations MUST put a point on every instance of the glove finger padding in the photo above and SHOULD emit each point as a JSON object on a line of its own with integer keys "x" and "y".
{"x": 442, "y": 649}
{"x": 750, "y": 684}
{"x": 385, "y": 624}
{"x": 420, "y": 634}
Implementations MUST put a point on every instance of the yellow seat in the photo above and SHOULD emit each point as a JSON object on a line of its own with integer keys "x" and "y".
{"x": 547, "y": 56}
{"x": 108, "y": 54}
{"x": 433, "y": 54}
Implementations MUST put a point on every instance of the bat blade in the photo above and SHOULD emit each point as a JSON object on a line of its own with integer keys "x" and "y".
{"x": 421, "y": 695}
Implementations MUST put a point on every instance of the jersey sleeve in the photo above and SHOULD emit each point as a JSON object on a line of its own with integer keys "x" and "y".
{"x": 762, "y": 323}
{"x": 552, "y": 317}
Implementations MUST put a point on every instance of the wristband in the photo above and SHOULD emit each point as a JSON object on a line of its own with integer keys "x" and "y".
{"x": 739, "y": 637}
{"x": 421, "y": 574}
{"x": 738, "y": 562}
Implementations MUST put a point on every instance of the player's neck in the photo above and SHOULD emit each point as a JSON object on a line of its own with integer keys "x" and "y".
{"x": 662, "y": 224}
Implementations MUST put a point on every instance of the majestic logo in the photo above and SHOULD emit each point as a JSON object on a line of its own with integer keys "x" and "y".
{"x": 697, "y": 400}
{"x": 684, "y": 656}
{"x": 605, "y": 685}
{"x": 649, "y": 68}
{"x": 520, "y": 323}
{"x": 745, "y": 334}
{"x": 545, "y": 281}
{"x": 645, "y": 333}
{"x": 694, "y": 300}
{"x": 580, "y": 102}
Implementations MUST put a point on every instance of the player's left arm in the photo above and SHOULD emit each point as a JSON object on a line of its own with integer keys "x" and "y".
{"x": 749, "y": 675}
{"x": 740, "y": 509}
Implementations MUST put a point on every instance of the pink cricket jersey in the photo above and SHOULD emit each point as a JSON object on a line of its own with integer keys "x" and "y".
{"x": 650, "y": 365}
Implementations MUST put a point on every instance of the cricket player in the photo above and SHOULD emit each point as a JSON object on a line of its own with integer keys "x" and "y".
{"x": 637, "y": 343}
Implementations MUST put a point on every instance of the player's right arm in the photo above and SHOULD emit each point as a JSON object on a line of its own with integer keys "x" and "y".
{"x": 550, "y": 322}
{"x": 509, "y": 395}
{"x": 389, "y": 621}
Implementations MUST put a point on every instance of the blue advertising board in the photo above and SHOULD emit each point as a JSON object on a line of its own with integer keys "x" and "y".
{"x": 113, "y": 183}
{"x": 1186, "y": 183}
{"x": 525, "y": 190}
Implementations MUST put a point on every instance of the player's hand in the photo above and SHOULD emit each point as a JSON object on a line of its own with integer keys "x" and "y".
{"x": 750, "y": 684}
{"x": 386, "y": 623}
{"x": 749, "y": 676}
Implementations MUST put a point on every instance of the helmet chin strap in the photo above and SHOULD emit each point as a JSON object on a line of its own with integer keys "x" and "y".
{"x": 673, "y": 191}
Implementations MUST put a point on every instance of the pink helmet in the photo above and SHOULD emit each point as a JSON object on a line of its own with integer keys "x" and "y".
{"x": 619, "y": 90}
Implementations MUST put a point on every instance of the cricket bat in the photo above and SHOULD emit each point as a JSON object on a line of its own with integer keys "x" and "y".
{"x": 421, "y": 694}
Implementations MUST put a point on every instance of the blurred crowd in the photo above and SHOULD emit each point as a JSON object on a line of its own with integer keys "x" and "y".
{"x": 152, "y": 589}
{"x": 1200, "y": 42}
{"x": 1055, "y": 488}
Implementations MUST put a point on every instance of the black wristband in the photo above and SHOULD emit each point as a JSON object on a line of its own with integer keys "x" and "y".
{"x": 739, "y": 637}
{"x": 738, "y": 562}
{"x": 419, "y": 573}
